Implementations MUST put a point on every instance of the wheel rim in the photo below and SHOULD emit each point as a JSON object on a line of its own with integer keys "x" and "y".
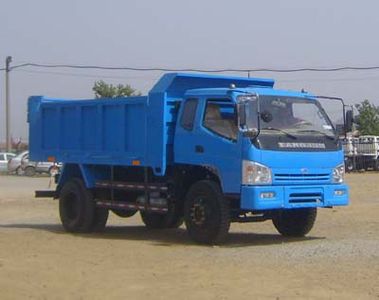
{"x": 198, "y": 212}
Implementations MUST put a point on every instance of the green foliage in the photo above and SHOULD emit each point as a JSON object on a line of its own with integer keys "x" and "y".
{"x": 105, "y": 90}
{"x": 368, "y": 118}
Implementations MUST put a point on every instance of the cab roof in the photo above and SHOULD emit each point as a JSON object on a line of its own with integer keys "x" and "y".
{"x": 177, "y": 84}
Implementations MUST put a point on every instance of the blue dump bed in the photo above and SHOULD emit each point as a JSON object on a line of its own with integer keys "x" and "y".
{"x": 124, "y": 131}
{"x": 121, "y": 131}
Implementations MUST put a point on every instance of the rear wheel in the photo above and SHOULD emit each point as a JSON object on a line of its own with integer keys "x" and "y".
{"x": 77, "y": 208}
{"x": 206, "y": 213}
{"x": 295, "y": 222}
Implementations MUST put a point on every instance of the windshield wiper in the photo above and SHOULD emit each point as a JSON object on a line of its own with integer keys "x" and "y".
{"x": 330, "y": 137}
{"x": 281, "y": 130}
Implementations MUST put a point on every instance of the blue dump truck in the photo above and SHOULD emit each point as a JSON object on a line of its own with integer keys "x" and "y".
{"x": 203, "y": 149}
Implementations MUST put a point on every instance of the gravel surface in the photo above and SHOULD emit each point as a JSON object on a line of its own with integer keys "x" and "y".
{"x": 339, "y": 259}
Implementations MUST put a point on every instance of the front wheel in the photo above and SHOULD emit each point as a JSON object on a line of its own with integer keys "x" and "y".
{"x": 295, "y": 222}
{"x": 206, "y": 213}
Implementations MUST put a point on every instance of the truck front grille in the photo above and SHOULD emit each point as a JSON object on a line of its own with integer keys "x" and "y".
{"x": 280, "y": 178}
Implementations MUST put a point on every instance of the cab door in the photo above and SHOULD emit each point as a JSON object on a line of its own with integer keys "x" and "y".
{"x": 213, "y": 141}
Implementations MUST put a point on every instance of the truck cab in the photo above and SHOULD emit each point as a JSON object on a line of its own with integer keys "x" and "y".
{"x": 278, "y": 149}
{"x": 275, "y": 152}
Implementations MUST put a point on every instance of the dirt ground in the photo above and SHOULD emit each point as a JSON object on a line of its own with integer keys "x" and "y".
{"x": 38, "y": 260}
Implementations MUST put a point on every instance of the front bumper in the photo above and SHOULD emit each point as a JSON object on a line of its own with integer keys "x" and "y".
{"x": 276, "y": 197}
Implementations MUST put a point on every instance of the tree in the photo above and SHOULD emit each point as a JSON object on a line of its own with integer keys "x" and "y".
{"x": 368, "y": 118}
{"x": 105, "y": 90}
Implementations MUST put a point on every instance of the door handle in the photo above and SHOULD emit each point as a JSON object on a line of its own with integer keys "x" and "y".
{"x": 199, "y": 149}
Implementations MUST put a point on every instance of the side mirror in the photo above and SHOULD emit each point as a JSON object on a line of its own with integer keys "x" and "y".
{"x": 248, "y": 111}
{"x": 349, "y": 121}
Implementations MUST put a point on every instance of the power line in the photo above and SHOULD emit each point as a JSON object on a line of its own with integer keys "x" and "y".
{"x": 98, "y": 67}
{"x": 86, "y": 75}
{"x": 365, "y": 78}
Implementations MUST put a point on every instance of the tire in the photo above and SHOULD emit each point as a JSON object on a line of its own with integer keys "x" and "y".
{"x": 206, "y": 213}
{"x": 123, "y": 213}
{"x": 77, "y": 207}
{"x": 295, "y": 222}
{"x": 30, "y": 171}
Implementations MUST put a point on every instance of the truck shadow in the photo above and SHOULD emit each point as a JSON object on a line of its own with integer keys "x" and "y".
{"x": 168, "y": 237}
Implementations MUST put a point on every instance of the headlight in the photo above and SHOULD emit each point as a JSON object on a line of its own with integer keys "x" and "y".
{"x": 339, "y": 174}
{"x": 254, "y": 173}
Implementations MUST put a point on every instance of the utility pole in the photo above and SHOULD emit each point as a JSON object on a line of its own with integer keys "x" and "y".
{"x": 8, "y": 60}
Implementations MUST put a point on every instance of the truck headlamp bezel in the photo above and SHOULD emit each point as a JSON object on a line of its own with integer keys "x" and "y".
{"x": 338, "y": 175}
{"x": 254, "y": 173}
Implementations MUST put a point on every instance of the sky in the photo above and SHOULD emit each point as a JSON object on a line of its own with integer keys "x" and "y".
{"x": 203, "y": 34}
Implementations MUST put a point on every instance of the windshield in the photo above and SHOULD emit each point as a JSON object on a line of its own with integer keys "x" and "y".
{"x": 289, "y": 115}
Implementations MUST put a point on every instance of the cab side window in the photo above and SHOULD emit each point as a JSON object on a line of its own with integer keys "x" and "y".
{"x": 189, "y": 113}
{"x": 220, "y": 119}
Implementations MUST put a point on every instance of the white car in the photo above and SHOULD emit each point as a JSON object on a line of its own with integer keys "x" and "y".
{"x": 4, "y": 158}
{"x": 14, "y": 164}
{"x": 30, "y": 168}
